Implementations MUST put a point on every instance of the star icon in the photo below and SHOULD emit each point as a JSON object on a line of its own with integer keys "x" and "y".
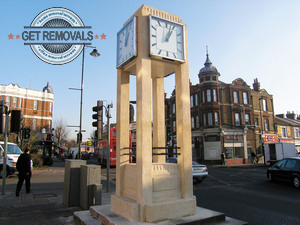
{"x": 18, "y": 36}
{"x": 96, "y": 36}
{"x": 103, "y": 36}
{"x": 10, "y": 36}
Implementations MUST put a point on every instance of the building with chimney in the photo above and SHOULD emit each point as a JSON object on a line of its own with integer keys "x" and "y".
{"x": 225, "y": 118}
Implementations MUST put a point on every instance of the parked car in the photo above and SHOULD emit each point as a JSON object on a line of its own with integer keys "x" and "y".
{"x": 13, "y": 153}
{"x": 200, "y": 171}
{"x": 287, "y": 169}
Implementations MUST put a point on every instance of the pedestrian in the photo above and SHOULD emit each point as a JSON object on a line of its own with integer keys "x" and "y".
{"x": 24, "y": 168}
{"x": 223, "y": 158}
{"x": 73, "y": 155}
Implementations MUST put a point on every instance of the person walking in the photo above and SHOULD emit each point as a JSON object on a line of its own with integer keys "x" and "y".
{"x": 24, "y": 168}
{"x": 223, "y": 158}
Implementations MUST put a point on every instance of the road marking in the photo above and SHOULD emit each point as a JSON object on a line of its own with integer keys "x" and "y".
{"x": 219, "y": 180}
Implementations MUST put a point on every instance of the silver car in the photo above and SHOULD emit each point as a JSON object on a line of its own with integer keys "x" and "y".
{"x": 200, "y": 171}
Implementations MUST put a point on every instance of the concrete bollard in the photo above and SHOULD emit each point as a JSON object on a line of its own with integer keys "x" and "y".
{"x": 90, "y": 186}
{"x": 71, "y": 194}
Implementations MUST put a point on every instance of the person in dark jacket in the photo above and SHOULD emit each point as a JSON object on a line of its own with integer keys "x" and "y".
{"x": 24, "y": 168}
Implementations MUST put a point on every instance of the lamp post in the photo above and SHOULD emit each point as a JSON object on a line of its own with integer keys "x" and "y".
{"x": 261, "y": 130}
{"x": 107, "y": 112}
{"x": 95, "y": 54}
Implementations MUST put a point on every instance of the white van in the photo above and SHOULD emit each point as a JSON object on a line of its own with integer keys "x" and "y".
{"x": 13, "y": 153}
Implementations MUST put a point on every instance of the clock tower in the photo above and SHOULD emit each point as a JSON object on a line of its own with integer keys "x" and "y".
{"x": 151, "y": 45}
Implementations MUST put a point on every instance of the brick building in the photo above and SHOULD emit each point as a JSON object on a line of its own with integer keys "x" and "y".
{"x": 230, "y": 118}
{"x": 36, "y": 106}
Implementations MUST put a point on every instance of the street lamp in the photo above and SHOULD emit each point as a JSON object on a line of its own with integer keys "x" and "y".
{"x": 261, "y": 131}
{"x": 94, "y": 53}
{"x": 107, "y": 112}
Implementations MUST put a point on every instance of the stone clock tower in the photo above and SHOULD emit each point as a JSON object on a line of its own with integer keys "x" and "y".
{"x": 152, "y": 45}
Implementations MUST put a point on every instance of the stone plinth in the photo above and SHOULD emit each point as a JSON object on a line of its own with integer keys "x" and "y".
{"x": 90, "y": 186}
{"x": 71, "y": 194}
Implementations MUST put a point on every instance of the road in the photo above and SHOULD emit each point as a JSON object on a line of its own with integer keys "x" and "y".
{"x": 244, "y": 193}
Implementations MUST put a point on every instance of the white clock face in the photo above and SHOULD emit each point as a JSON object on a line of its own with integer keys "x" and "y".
{"x": 126, "y": 42}
{"x": 166, "y": 39}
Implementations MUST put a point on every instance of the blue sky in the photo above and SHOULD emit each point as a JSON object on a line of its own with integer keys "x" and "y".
{"x": 246, "y": 39}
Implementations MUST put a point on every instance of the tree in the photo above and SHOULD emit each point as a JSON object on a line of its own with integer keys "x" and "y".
{"x": 61, "y": 133}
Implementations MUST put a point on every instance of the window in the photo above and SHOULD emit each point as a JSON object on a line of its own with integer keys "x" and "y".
{"x": 208, "y": 95}
{"x": 173, "y": 108}
{"x": 192, "y": 101}
{"x": 8, "y": 99}
{"x": 215, "y": 99}
{"x": 174, "y": 126}
{"x": 15, "y": 104}
{"x": 283, "y": 132}
{"x": 209, "y": 119}
{"x": 267, "y": 128}
{"x": 296, "y": 131}
{"x": 237, "y": 119}
{"x": 281, "y": 163}
{"x": 196, "y": 99}
{"x": 216, "y": 118}
{"x": 235, "y": 97}
{"x": 247, "y": 119}
{"x": 291, "y": 164}
{"x": 35, "y": 104}
{"x": 245, "y": 97}
{"x": 265, "y": 107}
{"x": 204, "y": 119}
{"x": 192, "y": 122}
{"x": 256, "y": 122}
{"x": 197, "y": 122}
{"x": 203, "y": 96}
{"x": 50, "y": 106}
{"x": 34, "y": 124}
{"x": 20, "y": 103}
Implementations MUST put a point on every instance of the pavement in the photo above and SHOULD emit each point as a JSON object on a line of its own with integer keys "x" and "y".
{"x": 44, "y": 204}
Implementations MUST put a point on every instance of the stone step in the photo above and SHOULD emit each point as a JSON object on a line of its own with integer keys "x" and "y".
{"x": 102, "y": 214}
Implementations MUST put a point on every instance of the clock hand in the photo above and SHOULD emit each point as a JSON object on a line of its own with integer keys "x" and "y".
{"x": 168, "y": 35}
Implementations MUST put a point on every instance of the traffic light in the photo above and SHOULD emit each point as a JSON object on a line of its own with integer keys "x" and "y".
{"x": 15, "y": 121}
{"x": 26, "y": 133}
{"x": 98, "y": 117}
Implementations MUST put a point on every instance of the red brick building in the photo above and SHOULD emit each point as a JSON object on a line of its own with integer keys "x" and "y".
{"x": 36, "y": 106}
